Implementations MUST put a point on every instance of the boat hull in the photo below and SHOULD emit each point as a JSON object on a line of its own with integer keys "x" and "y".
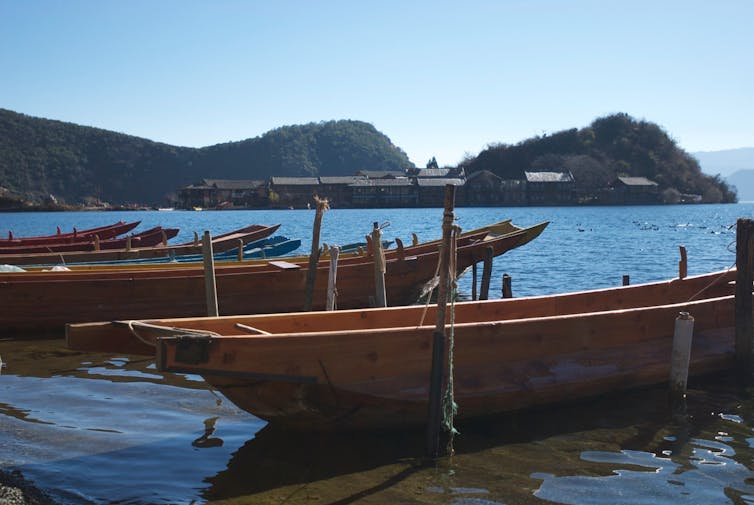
{"x": 70, "y": 297}
{"x": 380, "y": 379}
{"x": 370, "y": 368}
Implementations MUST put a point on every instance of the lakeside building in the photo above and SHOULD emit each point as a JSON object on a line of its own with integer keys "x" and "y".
{"x": 634, "y": 191}
{"x": 413, "y": 188}
{"x": 214, "y": 193}
{"x": 550, "y": 188}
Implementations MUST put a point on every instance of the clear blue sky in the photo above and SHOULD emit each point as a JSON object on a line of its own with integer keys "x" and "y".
{"x": 440, "y": 78}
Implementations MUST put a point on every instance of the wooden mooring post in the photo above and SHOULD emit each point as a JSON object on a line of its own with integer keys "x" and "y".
{"x": 484, "y": 289}
{"x": 380, "y": 299}
{"x": 507, "y": 290}
{"x": 311, "y": 274}
{"x": 473, "y": 281}
{"x": 626, "y": 280}
{"x": 743, "y": 310}
{"x": 332, "y": 278}
{"x": 683, "y": 268}
{"x": 210, "y": 287}
{"x": 437, "y": 375}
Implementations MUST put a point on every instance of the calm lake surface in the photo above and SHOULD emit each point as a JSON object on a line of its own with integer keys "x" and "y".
{"x": 93, "y": 428}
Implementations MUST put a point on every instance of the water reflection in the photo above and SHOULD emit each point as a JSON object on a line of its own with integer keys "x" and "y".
{"x": 709, "y": 475}
{"x": 702, "y": 457}
{"x": 103, "y": 429}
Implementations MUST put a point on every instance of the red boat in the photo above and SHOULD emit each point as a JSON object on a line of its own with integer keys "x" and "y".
{"x": 220, "y": 243}
{"x": 103, "y": 232}
{"x": 147, "y": 238}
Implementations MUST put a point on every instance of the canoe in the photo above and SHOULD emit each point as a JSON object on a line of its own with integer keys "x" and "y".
{"x": 486, "y": 232}
{"x": 269, "y": 247}
{"x": 103, "y": 232}
{"x": 220, "y": 243}
{"x": 260, "y": 287}
{"x": 145, "y": 268}
{"x": 147, "y": 238}
{"x": 370, "y": 368}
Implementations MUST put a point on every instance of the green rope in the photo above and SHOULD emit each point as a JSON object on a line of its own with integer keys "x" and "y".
{"x": 449, "y": 405}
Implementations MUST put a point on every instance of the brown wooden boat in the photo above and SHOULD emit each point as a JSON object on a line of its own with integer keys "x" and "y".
{"x": 220, "y": 243}
{"x": 103, "y": 232}
{"x": 483, "y": 233}
{"x": 274, "y": 286}
{"x": 147, "y": 238}
{"x": 370, "y": 368}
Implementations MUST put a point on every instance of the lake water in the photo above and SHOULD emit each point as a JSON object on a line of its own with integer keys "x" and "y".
{"x": 110, "y": 429}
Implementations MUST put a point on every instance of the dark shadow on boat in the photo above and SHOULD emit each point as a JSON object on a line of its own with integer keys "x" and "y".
{"x": 277, "y": 457}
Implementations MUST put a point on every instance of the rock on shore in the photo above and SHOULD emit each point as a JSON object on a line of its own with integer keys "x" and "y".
{"x": 16, "y": 490}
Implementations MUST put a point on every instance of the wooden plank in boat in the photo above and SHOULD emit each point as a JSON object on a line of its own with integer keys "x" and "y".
{"x": 285, "y": 265}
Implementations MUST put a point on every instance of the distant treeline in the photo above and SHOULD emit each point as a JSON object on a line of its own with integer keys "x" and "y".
{"x": 52, "y": 162}
{"x": 612, "y": 146}
{"x": 79, "y": 164}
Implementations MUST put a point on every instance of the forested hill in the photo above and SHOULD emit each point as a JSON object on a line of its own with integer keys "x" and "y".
{"x": 78, "y": 164}
{"x": 41, "y": 157}
{"x": 612, "y": 146}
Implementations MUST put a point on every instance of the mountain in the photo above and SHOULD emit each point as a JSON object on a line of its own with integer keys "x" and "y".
{"x": 735, "y": 165}
{"x": 726, "y": 162}
{"x": 596, "y": 155}
{"x": 73, "y": 163}
{"x": 45, "y": 161}
{"x": 743, "y": 181}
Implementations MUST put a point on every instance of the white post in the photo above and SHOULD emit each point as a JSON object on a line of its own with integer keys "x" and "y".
{"x": 681, "y": 355}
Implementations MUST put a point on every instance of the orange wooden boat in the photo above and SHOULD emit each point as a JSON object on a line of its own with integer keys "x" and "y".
{"x": 103, "y": 232}
{"x": 273, "y": 286}
{"x": 370, "y": 368}
{"x": 220, "y": 243}
{"x": 146, "y": 238}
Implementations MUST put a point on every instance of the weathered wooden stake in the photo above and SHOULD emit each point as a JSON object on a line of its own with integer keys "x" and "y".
{"x": 332, "y": 278}
{"x": 311, "y": 274}
{"x": 681, "y": 354}
{"x": 743, "y": 311}
{"x": 436, "y": 378}
{"x": 240, "y": 250}
{"x": 163, "y": 238}
{"x": 96, "y": 242}
{"x": 473, "y": 281}
{"x": 626, "y": 280}
{"x": 484, "y": 290}
{"x": 128, "y": 243}
{"x": 507, "y": 291}
{"x": 380, "y": 298}
{"x": 209, "y": 275}
{"x": 683, "y": 264}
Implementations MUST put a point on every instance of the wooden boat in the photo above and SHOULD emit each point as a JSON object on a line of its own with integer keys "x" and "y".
{"x": 370, "y": 368}
{"x": 261, "y": 287}
{"x": 220, "y": 243}
{"x": 269, "y": 247}
{"x": 103, "y": 232}
{"x": 486, "y": 232}
{"x": 147, "y": 238}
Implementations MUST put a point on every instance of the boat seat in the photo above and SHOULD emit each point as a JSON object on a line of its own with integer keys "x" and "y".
{"x": 285, "y": 265}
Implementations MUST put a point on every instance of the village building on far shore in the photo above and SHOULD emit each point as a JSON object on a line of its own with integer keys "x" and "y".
{"x": 419, "y": 187}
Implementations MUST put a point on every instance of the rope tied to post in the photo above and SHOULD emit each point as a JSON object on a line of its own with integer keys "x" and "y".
{"x": 449, "y": 405}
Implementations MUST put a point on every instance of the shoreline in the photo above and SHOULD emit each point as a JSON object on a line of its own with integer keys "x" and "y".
{"x": 15, "y": 489}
